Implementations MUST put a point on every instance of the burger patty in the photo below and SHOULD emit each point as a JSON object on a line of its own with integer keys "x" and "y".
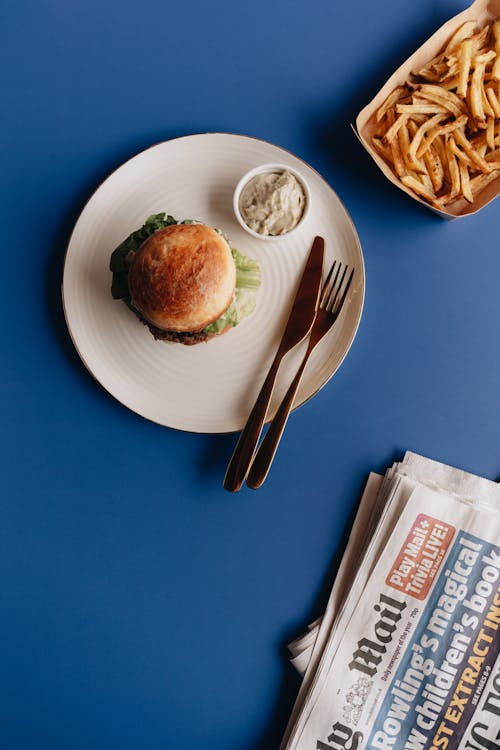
{"x": 193, "y": 337}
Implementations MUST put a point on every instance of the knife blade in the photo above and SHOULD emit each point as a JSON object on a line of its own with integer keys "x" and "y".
{"x": 298, "y": 326}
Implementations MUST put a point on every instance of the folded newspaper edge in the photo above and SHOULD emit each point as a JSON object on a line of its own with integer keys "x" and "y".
{"x": 406, "y": 655}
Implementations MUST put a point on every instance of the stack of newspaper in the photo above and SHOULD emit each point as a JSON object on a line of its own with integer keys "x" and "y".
{"x": 406, "y": 655}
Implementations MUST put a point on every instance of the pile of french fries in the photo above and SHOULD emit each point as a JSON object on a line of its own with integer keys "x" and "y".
{"x": 440, "y": 132}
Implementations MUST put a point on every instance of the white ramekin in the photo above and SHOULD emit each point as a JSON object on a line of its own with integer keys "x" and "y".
{"x": 262, "y": 169}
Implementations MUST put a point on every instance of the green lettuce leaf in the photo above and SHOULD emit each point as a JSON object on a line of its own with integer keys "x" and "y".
{"x": 245, "y": 295}
{"x": 120, "y": 258}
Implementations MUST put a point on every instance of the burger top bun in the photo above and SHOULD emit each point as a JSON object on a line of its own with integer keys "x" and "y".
{"x": 183, "y": 277}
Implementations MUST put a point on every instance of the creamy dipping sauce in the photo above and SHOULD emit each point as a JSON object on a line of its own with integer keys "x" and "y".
{"x": 272, "y": 203}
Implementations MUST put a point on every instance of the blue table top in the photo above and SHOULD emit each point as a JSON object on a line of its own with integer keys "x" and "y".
{"x": 142, "y": 605}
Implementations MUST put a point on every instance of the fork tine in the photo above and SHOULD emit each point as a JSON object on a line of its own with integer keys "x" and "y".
{"x": 334, "y": 297}
{"x": 324, "y": 288}
{"x": 328, "y": 296}
{"x": 346, "y": 289}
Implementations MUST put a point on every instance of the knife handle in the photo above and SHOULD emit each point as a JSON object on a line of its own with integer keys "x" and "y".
{"x": 267, "y": 450}
{"x": 245, "y": 447}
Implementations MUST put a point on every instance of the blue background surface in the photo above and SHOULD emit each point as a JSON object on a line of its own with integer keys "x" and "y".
{"x": 142, "y": 606}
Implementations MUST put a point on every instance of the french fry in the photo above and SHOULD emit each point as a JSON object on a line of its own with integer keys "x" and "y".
{"x": 416, "y": 164}
{"x": 480, "y": 181}
{"x": 393, "y": 130}
{"x": 495, "y": 73}
{"x": 449, "y": 83}
{"x": 424, "y": 178}
{"x": 458, "y": 152}
{"x": 476, "y": 92}
{"x": 480, "y": 39}
{"x": 493, "y": 100}
{"x": 488, "y": 111}
{"x": 490, "y": 133}
{"x": 382, "y": 149}
{"x": 420, "y": 133}
{"x": 397, "y": 157}
{"x": 445, "y": 98}
{"x": 464, "y": 67}
{"x": 440, "y": 130}
{"x": 420, "y": 109}
{"x": 481, "y": 150}
{"x": 391, "y": 100}
{"x": 465, "y": 182}
{"x": 434, "y": 69}
{"x": 434, "y": 169}
{"x": 484, "y": 57}
{"x": 454, "y": 171}
{"x": 417, "y": 187}
{"x": 463, "y": 32}
{"x": 471, "y": 153}
{"x": 440, "y": 146}
{"x": 404, "y": 145}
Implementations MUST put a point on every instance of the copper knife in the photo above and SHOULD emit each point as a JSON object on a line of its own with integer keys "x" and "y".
{"x": 298, "y": 326}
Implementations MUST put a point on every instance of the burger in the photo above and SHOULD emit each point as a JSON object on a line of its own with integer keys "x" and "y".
{"x": 183, "y": 280}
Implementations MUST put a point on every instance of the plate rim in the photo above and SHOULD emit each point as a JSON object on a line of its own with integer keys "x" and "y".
{"x": 187, "y": 136}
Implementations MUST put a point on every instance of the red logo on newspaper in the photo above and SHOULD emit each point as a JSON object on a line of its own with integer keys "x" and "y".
{"x": 421, "y": 556}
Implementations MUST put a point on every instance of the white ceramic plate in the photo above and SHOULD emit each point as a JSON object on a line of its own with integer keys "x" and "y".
{"x": 209, "y": 387}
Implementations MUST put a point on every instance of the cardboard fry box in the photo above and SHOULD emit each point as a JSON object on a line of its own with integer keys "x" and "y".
{"x": 481, "y": 11}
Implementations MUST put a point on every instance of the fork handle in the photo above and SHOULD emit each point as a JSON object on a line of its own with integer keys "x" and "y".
{"x": 265, "y": 455}
{"x": 240, "y": 461}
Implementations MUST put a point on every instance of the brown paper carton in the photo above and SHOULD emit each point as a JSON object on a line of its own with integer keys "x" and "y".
{"x": 482, "y": 11}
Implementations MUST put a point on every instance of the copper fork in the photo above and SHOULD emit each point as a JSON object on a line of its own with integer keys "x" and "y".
{"x": 332, "y": 298}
